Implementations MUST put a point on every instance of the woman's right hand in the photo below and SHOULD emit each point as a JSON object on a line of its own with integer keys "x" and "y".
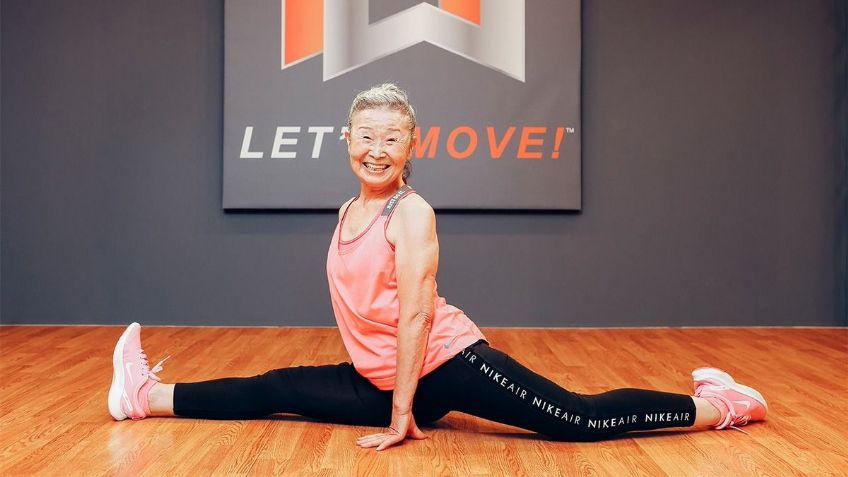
{"x": 403, "y": 425}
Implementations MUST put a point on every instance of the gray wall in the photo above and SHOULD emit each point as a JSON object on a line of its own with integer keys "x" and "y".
{"x": 710, "y": 152}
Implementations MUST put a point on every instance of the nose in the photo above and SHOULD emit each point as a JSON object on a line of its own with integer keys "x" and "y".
{"x": 377, "y": 149}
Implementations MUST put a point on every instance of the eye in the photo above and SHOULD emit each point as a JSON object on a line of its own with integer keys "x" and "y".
{"x": 391, "y": 140}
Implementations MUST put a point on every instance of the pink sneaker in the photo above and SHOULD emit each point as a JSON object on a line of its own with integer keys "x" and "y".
{"x": 738, "y": 404}
{"x": 132, "y": 378}
{"x": 711, "y": 377}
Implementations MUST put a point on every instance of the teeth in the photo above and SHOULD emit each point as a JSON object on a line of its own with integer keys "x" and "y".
{"x": 374, "y": 168}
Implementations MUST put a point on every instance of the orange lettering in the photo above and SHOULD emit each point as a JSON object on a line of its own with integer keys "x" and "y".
{"x": 472, "y": 142}
{"x": 428, "y": 143}
{"x": 497, "y": 148}
{"x": 527, "y": 141}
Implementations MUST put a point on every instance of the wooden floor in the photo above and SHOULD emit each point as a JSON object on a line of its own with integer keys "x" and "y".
{"x": 54, "y": 421}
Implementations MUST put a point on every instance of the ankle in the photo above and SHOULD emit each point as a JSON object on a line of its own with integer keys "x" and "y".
{"x": 144, "y": 396}
{"x": 160, "y": 399}
{"x": 723, "y": 406}
{"x": 719, "y": 411}
{"x": 707, "y": 412}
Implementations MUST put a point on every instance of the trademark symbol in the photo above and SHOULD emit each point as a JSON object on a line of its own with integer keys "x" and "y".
{"x": 569, "y": 130}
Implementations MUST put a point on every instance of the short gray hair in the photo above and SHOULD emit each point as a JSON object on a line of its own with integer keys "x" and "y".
{"x": 391, "y": 97}
{"x": 386, "y": 95}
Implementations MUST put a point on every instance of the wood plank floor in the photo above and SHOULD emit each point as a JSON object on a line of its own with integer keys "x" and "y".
{"x": 54, "y": 421}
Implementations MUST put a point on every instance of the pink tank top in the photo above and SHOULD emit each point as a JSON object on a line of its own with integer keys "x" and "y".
{"x": 363, "y": 288}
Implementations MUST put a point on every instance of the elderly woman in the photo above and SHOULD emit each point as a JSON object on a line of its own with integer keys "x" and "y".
{"x": 415, "y": 357}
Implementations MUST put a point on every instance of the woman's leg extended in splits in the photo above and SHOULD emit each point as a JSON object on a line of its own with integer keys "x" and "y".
{"x": 502, "y": 390}
{"x": 334, "y": 393}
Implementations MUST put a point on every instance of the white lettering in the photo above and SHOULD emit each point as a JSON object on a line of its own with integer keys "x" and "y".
{"x": 246, "y": 153}
{"x": 319, "y": 132}
{"x": 279, "y": 141}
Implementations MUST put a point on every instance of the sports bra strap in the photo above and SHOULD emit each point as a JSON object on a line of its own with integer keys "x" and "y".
{"x": 392, "y": 202}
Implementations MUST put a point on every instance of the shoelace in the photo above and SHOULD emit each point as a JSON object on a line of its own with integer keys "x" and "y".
{"x": 145, "y": 368}
{"x": 735, "y": 419}
{"x": 731, "y": 419}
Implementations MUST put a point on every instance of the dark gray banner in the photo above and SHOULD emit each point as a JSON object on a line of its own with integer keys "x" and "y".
{"x": 495, "y": 85}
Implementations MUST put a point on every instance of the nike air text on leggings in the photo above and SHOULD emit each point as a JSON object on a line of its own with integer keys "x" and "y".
{"x": 518, "y": 396}
{"x": 480, "y": 380}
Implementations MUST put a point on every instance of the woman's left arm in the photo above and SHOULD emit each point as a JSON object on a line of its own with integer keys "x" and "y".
{"x": 416, "y": 262}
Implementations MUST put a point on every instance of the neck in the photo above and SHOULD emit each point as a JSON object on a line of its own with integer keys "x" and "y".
{"x": 370, "y": 194}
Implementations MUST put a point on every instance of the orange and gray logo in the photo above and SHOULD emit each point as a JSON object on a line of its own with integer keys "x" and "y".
{"x": 488, "y": 32}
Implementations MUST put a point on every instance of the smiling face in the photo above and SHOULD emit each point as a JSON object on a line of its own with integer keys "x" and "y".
{"x": 379, "y": 143}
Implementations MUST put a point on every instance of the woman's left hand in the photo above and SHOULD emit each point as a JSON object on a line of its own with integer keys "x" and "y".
{"x": 402, "y": 426}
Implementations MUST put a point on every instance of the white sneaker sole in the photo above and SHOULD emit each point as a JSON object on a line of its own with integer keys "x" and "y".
{"x": 118, "y": 376}
{"x": 717, "y": 375}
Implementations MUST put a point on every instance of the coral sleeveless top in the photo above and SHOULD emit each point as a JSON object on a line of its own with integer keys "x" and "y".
{"x": 363, "y": 288}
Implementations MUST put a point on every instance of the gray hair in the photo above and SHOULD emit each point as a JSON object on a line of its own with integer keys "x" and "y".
{"x": 388, "y": 96}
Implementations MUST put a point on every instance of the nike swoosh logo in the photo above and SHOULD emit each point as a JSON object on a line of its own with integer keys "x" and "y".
{"x": 129, "y": 371}
{"x": 450, "y": 343}
{"x": 127, "y": 401}
{"x": 128, "y": 367}
{"x": 743, "y": 403}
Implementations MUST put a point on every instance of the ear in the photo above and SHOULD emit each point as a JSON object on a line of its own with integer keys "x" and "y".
{"x": 347, "y": 139}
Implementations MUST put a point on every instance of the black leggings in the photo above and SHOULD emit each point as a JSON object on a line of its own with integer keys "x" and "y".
{"x": 480, "y": 381}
